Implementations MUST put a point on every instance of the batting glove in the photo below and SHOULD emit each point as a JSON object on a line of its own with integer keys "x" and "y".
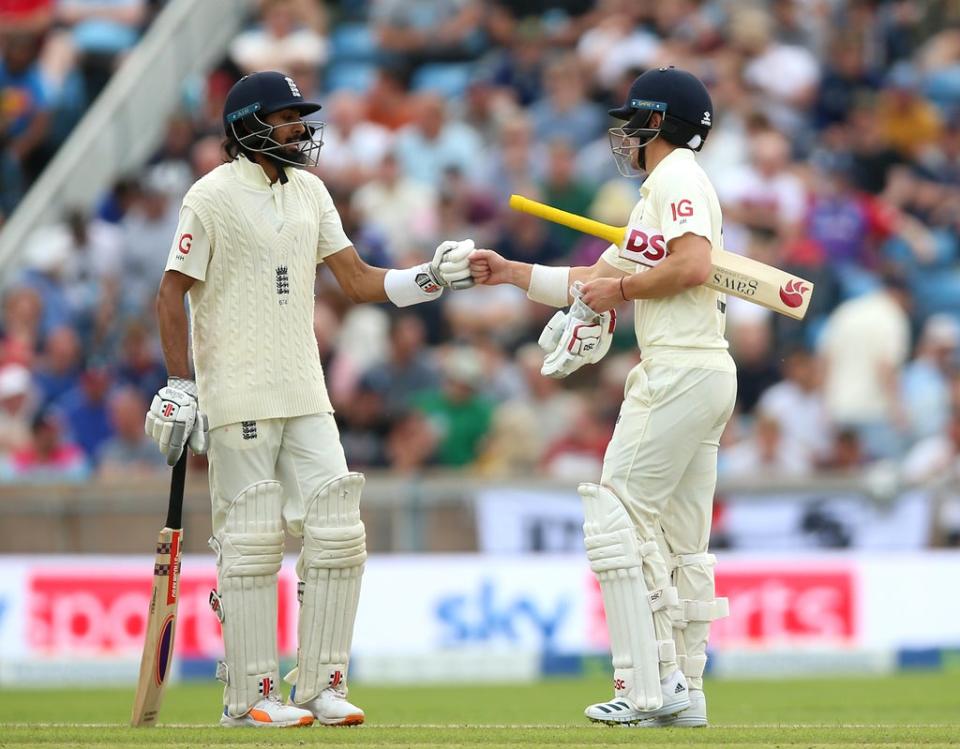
{"x": 450, "y": 266}
{"x": 174, "y": 420}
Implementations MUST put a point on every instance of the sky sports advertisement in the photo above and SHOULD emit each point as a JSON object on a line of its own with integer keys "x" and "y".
{"x": 62, "y": 615}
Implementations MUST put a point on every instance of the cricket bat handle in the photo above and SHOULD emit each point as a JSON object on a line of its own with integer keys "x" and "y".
{"x": 613, "y": 234}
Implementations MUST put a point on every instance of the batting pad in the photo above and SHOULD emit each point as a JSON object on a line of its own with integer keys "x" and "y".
{"x": 330, "y": 568}
{"x": 616, "y": 557}
{"x": 698, "y": 607}
{"x": 249, "y": 552}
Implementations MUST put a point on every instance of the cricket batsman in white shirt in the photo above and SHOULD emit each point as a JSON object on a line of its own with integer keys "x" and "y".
{"x": 250, "y": 237}
{"x": 647, "y": 523}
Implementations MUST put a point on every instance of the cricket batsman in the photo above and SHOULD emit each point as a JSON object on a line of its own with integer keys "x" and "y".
{"x": 250, "y": 236}
{"x": 647, "y": 523}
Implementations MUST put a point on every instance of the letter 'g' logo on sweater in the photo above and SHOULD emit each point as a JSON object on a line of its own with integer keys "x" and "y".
{"x": 186, "y": 241}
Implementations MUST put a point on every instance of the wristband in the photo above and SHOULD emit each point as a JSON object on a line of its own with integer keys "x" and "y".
{"x": 411, "y": 285}
{"x": 550, "y": 286}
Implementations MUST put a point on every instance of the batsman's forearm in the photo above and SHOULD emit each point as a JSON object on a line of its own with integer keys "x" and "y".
{"x": 518, "y": 274}
{"x": 174, "y": 335}
{"x": 673, "y": 276}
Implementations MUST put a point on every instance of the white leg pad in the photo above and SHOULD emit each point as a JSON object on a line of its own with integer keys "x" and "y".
{"x": 698, "y": 607}
{"x": 249, "y": 552}
{"x": 330, "y": 568}
{"x": 616, "y": 557}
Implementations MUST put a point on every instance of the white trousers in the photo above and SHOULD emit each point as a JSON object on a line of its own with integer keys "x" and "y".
{"x": 302, "y": 453}
{"x": 662, "y": 463}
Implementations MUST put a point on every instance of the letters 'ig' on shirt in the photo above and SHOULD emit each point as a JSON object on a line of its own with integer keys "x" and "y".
{"x": 253, "y": 248}
{"x": 676, "y": 198}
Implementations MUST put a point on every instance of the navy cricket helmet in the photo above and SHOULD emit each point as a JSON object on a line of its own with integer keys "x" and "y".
{"x": 257, "y": 95}
{"x": 682, "y": 100}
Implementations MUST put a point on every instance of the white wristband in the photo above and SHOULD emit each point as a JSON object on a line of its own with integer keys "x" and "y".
{"x": 411, "y": 285}
{"x": 549, "y": 285}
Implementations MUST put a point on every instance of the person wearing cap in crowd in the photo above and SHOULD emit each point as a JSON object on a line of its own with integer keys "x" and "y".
{"x": 251, "y": 234}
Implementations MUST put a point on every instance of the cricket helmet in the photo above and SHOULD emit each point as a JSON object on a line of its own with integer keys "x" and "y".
{"x": 257, "y": 95}
{"x": 682, "y": 100}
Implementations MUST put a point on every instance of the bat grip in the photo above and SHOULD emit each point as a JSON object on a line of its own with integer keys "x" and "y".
{"x": 177, "y": 480}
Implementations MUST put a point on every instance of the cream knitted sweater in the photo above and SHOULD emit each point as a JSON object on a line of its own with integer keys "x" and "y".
{"x": 254, "y": 349}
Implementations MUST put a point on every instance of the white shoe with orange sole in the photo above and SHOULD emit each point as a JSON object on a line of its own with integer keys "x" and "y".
{"x": 269, "y": 713}
{"x": 331, "y": 708}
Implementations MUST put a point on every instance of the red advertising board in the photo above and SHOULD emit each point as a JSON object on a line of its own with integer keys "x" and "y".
{"x": 770, "y": 605}
{"x": 99, "y": 611}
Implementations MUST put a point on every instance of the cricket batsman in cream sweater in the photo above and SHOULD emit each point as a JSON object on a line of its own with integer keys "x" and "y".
{"x": 250, "y": 237}
{"x": 647, "y": 523}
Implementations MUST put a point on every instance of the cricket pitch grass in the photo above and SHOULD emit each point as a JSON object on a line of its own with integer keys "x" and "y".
{"x": 911, "y": 710}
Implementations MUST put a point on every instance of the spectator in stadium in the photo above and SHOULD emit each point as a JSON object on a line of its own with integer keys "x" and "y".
{"x": 908, "y": 122}
{"x": 765, "y": 195}
{"x": 579, "y": 451}
{"x": 16, "y": 407}
{"x": 416, "y": 31}
{"x": 400, "y": 209}
{"x": 290, "y": 34}
{"x": 864, "y": 344}
{"x": 147, "y": 227}
{"x": 459, "y": 416}
{"x": 47, "y": 459}
{"x": 24, "y": 115}
{"x": 562, "y": 189}
{"x": 353, "y": 148}
{"x": 409, "y": 368}
{"x": 764, "y": 452}
{"x": 564, "y": 111}
{"x": 139, "y": 365}
{"x": 934, "y": 465}
{"x": 20, "y": 325}
{"x": 100, "y": 32}
{"x": 364, "y": 424}
{"x": 84, "y": 411}
{"x": 129, "y": 453}
{"x": 410, "y": 444}
{"x": 388, "y": 101}
{"x": 925, "y": 384}
{"x": 796, "y": 403}
{"x": 59, "y": 367}
{"x": 434, "y": 142}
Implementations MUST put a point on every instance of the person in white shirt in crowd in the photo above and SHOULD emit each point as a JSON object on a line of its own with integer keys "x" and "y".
{"x": 289, "y": 34}
{"x": 925, "y": 385}
{"x": 433, "y": 143}
{"x": 864, "y": 344}
{"x": 355, "y": 147}
{"x": 797, "y": 405}
{"x": 246, "y": 250}
{"x": 765, "y": 451}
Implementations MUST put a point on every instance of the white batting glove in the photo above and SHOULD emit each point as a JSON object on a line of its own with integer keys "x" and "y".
{"x": 450, "y": 266}
{"x": 575, "y": 338}
{"x": 174, "y": 421}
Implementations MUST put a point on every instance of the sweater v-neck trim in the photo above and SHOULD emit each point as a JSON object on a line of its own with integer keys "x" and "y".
{"x": 252, "y": 175}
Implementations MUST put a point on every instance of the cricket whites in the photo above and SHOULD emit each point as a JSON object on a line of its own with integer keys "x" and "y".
{"x": 732, "y": 274}
{"x": 162, "y": 617}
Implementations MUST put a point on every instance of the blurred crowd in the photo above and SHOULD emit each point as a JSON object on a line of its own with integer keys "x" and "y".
{"x": 835, "y": 153}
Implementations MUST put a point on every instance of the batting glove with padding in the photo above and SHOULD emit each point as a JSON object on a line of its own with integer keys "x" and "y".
{"x": 577, "y": 337}
{"x": 174, "y": 420}
{"x": 450, "y": 266}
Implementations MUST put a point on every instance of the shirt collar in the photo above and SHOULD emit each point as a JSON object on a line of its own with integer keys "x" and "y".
{"x": 677, "y": 154}
{"x": 250, "y": 172}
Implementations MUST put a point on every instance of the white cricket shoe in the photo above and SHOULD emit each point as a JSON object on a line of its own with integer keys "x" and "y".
{"x": 622, "y": 711}
{"x": 694, "y": 716}
{"x": 331, "y": 707}
{"x": 269, "y": 713}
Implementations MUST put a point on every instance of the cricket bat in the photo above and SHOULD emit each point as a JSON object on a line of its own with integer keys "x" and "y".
{"x": 162, "y": 617}
{"x": 732, "y": 274}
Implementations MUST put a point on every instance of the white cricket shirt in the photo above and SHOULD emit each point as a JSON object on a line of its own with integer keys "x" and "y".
{"x": 676, "y": 198}
{"x": 253, "y": 248}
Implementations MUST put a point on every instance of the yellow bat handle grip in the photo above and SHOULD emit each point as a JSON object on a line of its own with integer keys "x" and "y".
{"x": 613, "y": 234}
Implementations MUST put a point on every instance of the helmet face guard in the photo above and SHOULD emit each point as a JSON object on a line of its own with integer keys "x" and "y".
{"x": 627, "y": 142}
{"x": 257, "y": 136}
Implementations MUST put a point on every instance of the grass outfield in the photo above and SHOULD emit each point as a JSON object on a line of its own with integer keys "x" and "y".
{"x": 907, "y": 710}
